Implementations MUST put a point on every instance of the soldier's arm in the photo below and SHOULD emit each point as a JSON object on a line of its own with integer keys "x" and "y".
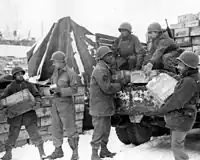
{"x": 140, "y": 53}
{"x": 73, "y": 86}
{"x": 114, "y": 47}
{"x": 184, "y": 92}
{"x": 7, "y": 92}
{"x": 162, "y": 46}
{"x": 34, "y": 91}
{"x": 104, "y": 81}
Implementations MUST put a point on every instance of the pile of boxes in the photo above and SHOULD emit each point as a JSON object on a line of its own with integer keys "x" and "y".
{"x": 187, "y": 32}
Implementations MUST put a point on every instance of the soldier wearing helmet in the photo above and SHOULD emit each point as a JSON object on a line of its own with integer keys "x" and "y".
{"x": 29, "y": 119}
{"x": 102, "y": 92}
{"x": 162, "y": 51}
{"x": 128, "y": 49}
{"x": 180, "y": 108}
{"x": 63, "y": 110}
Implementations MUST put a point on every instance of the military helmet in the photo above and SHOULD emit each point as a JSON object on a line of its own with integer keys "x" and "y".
{"x": 17, "y": 70}
{"x": 58, "y": 56}
{"x": 125, "y": 26}
{"x": 190, "y": 59}
{"x": 154, "y": 27}
{"x": 102, "y": 51}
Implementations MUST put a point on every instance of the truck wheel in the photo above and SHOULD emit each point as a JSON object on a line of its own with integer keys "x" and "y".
{"x": 139, "y": 133}
{"x": 122, "y": 134}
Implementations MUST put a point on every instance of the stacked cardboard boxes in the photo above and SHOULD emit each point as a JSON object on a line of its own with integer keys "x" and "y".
{"x": 187, "y": 32}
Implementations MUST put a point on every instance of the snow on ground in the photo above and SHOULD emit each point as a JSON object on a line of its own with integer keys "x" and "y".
{"x": 156, "y": 149}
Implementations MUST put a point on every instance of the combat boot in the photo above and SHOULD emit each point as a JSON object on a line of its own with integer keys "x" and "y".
{"x": 105, "y": 152}
{"x": 58, "y": 153}
{"x": 41, "y": 151}
{"x": 73, "y": 143}
{"x": 95, "y": 155}
{"x": 7, "y": 155}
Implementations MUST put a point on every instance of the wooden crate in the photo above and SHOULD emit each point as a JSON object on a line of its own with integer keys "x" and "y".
{"x": 177, "y": 26}
{"x": 187, "y": 48}
{"x": 184, "y": 41}
{"x": 196, "y": 48}
{"x": 194, "y": 23}
{"x": 181, "y": 32}
{"x": 195, "y": 31}
{"x": 187, "y": 18}
{"x": 196, "y": 40}
{"x": 18, "y": 97}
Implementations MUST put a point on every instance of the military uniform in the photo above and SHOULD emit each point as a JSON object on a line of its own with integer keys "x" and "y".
{"x": 63, "y": 109}
{"x": 102, "y": 104}
{"x": 29, "y": 119}
{"x": 163, "y": 53}
{"x": 130, "y": 53}
{"x": 180, "y": 111}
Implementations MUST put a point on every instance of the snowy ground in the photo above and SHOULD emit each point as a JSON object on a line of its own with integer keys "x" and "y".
{"x": 157, "y": 149}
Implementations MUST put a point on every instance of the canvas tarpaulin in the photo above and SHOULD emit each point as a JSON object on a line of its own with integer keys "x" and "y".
{"x": 59, "y": 38}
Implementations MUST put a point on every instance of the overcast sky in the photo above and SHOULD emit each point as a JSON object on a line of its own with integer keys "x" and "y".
{"x": 103, "y": 16}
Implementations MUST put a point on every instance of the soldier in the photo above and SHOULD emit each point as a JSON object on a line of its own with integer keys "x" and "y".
{"x": 130, "y": 53}
{"x": 179, "y": 109}
{"x": 102, "y": 92}
{"x": 163, "y": 50}
{"x": 29, "y": 119}
{"x": 63, "y": 110}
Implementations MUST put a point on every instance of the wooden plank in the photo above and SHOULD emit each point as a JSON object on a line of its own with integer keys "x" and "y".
{"x": 181, "y": 32}
{"x": 195, "y": 31}
{"x": 104, "y": 44}
{"x": 184, "y": 41}
{"x": 196, "y": 40}
{"x": 79, "y": 99}
{"x": 99, "y": 35}
{"x": 42, "y": 112}
{"x": 196, "y": 48}
{"x": 79, "y": 123}
{"x": 177, "y": 26}
{"x": 194, "y": 23}
{"x": 79, "y": 116}
{"x": 79, "y": 107}
{"x": 187, "y": 48}
{"x": 106, "y": 41}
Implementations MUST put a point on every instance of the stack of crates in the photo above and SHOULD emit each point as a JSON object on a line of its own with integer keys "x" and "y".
{"x": 187, "y": 32}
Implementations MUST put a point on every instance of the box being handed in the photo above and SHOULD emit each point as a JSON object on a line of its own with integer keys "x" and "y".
{"x": 18, "y": 103}
{"x": 161, "y": 87}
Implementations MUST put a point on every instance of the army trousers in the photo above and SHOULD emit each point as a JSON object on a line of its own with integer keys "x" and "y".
{"x": 28, "y": 119}
{"x": 63, "y": 120}
{"x": 102, "y": 126}
{"x": 177, "y": 145}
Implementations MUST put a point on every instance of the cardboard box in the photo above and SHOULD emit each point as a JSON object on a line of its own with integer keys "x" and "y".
{"x": 161, "y": 87}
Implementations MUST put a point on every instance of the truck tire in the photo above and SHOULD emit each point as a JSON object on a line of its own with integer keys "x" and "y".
{"x": 122, "y": 135}
{"x": 139, "y": 133}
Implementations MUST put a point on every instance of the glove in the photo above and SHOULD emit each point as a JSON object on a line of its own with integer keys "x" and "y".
{"x": 55, "y": 91}
{"x": 148, "y": 68}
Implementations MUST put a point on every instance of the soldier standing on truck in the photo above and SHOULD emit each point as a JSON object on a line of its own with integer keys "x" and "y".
{"x": 163, "y": 50}
{"x": 102, "y": 92}
{"x": 128, "y": 49}
{"x": 29, "y": 119}
{"x": 179, "y": 109}
{"x": 63, "y": 110}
